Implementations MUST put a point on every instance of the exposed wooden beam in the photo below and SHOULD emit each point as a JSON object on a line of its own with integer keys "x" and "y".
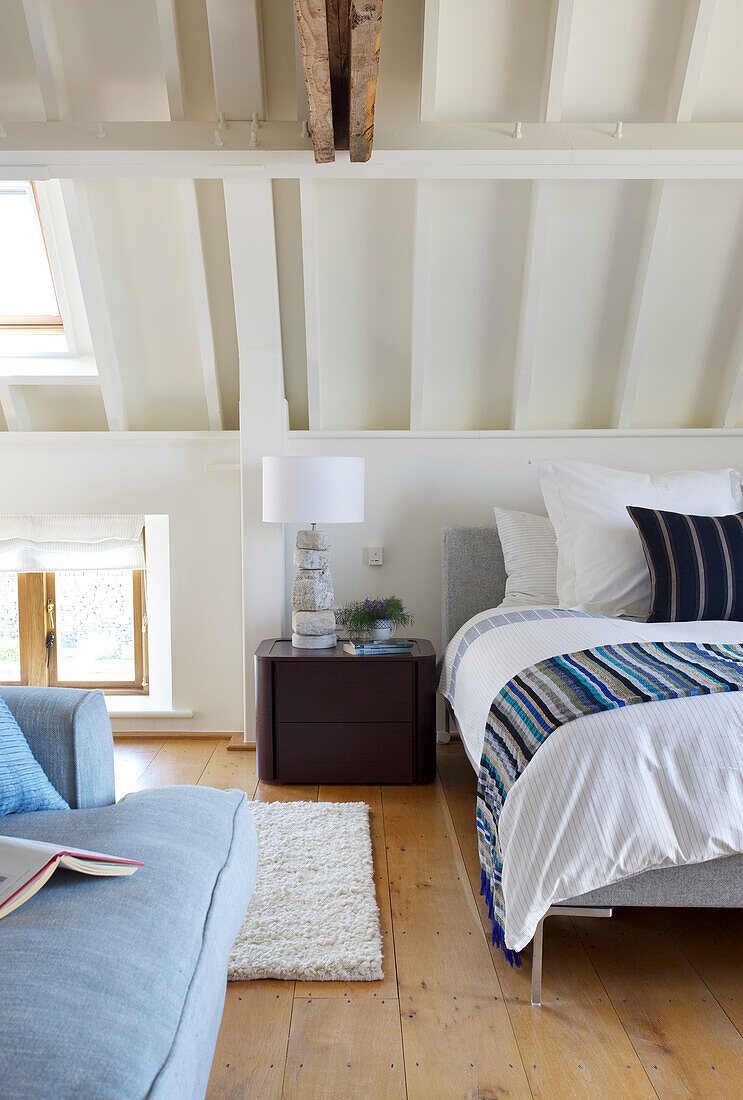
{"x": 366, "y": 28}
{"x": 303, "y": 109}
{"x": 531, "y": 292}
{"x": 339, "y": 53}
{"x": 420, "y": 302}
{"x": 166, "y": 20}
{"x": 689, "y": 58}
{"x": 15, "y": 408}
{"x": 236, "y": 43}
{"x": 430, "y": 60}
{"x": 204, "y": 323}
{"x": 561, "y": 23}
{"x": 84, "y": 245}
{"x": 42, "y": 33}
{"x": 311, "y": 301}
{"x": 313, "y": 42}
{"x": 628, "y": 372}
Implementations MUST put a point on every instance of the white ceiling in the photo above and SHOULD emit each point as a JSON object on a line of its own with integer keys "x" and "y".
{"x": 428, "y": 302}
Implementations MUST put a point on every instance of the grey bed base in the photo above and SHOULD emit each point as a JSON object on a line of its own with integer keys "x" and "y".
{"x": 474, "y": 579}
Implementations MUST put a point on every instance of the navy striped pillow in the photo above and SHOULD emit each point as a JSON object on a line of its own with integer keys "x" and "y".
{"x": 695, "y": 562}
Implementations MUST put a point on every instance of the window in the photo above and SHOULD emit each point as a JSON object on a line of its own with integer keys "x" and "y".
{"x": 75, "y": 628}
{"x": 30, "y": 318}
{"x": 10, "y": 645}
{"x": 73, "y": 602}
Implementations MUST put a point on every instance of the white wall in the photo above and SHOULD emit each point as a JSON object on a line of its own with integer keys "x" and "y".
{"x": 417, "y": 485}
{"x": 160, "y": 474}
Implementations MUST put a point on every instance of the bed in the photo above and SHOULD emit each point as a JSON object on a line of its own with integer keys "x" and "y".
{"x": 473, "y": 581}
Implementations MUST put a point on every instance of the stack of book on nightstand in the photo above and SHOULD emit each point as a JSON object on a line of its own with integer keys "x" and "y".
{"x": 357, "y": 647}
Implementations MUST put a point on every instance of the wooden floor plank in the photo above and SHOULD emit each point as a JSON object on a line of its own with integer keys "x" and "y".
{"x": 277, "y": 792}
{"x": 663, "y": 985}
{"x": 388, "y": 986}
{"x": 132, "y": 757}
{"x": 457, "y": 1036}
{"x": 239, "y": 744}
{"x": 712, "y": 940}
{"x": 342, "y": 1049}
{"x": 251, "y": 1049}
{"x": 226, "y": 770}
{"x": 685, "y": 1041}
{"x": 180, "y": 760}
{"x": 574, "y": 1044}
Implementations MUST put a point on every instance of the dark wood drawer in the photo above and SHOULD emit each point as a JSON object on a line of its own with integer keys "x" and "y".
{"x": 360, "y": 752}
{"x": 343, "y": 691}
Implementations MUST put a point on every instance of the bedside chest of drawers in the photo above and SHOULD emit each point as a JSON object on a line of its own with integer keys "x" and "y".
{"x": 323, "y": 716}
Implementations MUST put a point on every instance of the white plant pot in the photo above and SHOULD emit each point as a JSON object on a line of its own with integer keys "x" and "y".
{"x": 382, "y": 630}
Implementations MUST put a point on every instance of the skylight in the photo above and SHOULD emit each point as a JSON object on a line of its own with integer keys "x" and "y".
{"x": 30, "y": 319}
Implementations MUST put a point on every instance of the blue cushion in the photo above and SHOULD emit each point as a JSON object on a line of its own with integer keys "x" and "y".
{"x": 114, "y": 987}
{"x": 23, "y": 785}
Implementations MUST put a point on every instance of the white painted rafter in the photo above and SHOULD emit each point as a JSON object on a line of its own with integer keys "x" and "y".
{"x": 168, "y": 150}
{"x": 561, "y": 23}
{"x": 15, "y": 408}
{"x": 84, "y": 245}
{"x": 42, "y": 33}
{"x": 236, "y": 44}
{"x": 628, "y": 372}
{"x": 420, "y": 301}
{"x": 311, "y": 300}
{"x": 689, "y": 59}
{"x": 169, "y": 42}
{"x": 199, "y": 286}
{"x": 429, "y": 64}
{"x": 731, "y": 397}
{"x": 251, "y": 230}
{"x": 536, "y": 239}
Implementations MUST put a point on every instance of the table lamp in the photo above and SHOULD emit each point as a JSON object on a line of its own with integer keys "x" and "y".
{"x": 318, "y": 489}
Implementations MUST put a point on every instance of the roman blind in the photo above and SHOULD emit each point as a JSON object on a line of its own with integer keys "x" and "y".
{"x": 45, "y": 544}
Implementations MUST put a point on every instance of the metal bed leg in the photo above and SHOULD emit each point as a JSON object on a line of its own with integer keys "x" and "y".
{"x": 536, "y": 964}
{"x": 538, "y": 941}
{"x": 444, "y": 737}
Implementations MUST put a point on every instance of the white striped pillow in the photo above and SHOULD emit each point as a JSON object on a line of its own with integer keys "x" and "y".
{"x": 530, "y": 555}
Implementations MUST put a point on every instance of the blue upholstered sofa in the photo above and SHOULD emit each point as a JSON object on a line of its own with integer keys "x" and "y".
{"x": 112, "y": 989}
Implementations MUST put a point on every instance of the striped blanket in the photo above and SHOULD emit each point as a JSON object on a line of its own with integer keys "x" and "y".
{"x": 552, "y": 692}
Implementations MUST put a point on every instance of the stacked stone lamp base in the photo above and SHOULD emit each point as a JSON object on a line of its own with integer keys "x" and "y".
{"x": 313, "y": 618}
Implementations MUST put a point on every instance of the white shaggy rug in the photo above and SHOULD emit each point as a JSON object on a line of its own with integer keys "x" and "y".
{"x": 313, "y": 915}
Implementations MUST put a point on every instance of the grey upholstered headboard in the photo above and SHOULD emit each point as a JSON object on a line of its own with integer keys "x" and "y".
{"x": 473, "y": 574}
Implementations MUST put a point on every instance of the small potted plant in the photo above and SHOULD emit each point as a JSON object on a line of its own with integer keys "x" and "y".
{"x": 376, "y": 618}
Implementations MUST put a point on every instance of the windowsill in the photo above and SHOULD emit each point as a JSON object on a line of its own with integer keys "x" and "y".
{"x": 129, "y": 706}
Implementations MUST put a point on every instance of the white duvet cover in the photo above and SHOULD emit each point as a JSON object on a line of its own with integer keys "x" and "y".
{"x": 608, "y": 795}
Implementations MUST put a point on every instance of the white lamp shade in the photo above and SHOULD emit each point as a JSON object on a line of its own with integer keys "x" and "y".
{"x": 315, "y": 489}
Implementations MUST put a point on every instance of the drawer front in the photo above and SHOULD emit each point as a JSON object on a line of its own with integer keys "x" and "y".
{"x": 336, "y": 690}
{"x": 349, "y": 753}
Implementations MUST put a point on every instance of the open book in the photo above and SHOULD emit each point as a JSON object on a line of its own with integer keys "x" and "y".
{"x": 25, "y": 865}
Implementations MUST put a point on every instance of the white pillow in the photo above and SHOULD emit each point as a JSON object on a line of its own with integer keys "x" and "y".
{"x": 601, "y": 565}
{"x": 530, "y": 554}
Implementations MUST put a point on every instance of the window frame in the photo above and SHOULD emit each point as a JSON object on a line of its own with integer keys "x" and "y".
{"x": 36, "y": 591}
{"x": 46, "y": 325}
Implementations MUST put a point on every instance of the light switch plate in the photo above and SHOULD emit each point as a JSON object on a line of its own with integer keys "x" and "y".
{"x": 374, "y": 555}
